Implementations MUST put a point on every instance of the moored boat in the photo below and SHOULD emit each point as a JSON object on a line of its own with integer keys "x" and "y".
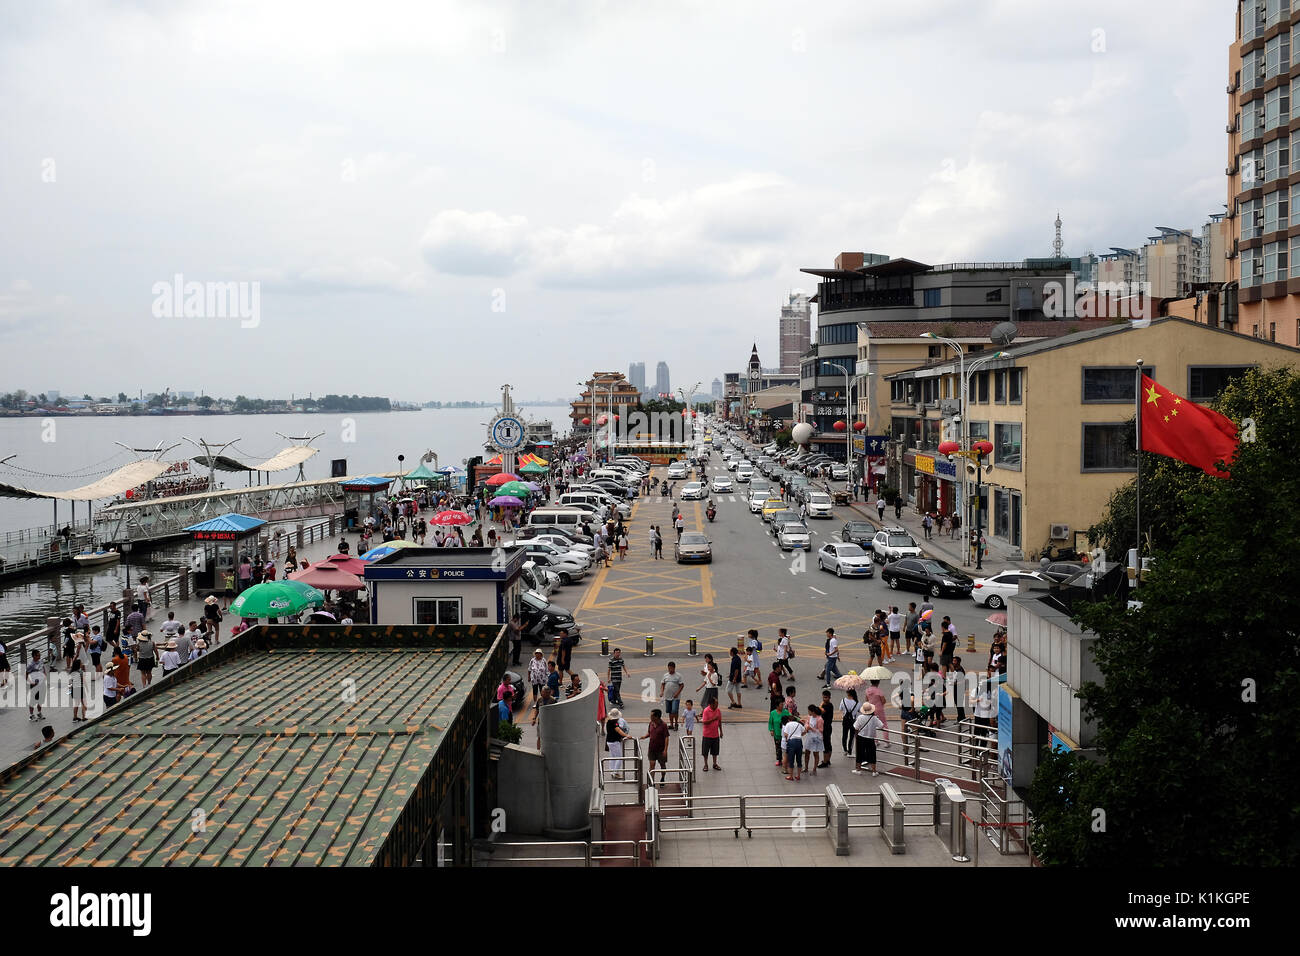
{"x": 95, "y": 558}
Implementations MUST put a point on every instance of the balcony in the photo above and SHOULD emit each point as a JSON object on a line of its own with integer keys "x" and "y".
{"x": 869, "y": 299}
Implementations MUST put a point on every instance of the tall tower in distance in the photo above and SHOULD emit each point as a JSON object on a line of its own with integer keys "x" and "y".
{"x": 663, "y": 385}
{"x": 796, "y": 330}
{"x": 1057, "y": 244}
{"x": 636, "y": 375}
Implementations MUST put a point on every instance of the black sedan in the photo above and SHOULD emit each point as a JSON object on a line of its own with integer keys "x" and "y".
{"x": 930, "y": 575}
{"x": 1063, "y": 570}
{"x": 858, "y": 532}
{"x": 543, "y": 620}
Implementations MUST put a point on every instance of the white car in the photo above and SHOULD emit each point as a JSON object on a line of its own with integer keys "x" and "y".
{"x": 567, "y": 569}
{"x": 893, "y": 544}
{"x": 722, "y": 485}
{"x": 819, "y": 505}
{"x": 677, "y": 469}
{"x": 845, "y": 559}
{"x": 538, "y": 580}
{"x": 756, "y": 499}
{"x": 794, "y": 534}
{"x": 693, "y": 491}
{"x": 564, "y": 544}
{"x": 993, "y": 591}
{"x": 744, "y": 473}
{"x": 839, "y": 472}
{"x": 564, "y": 552}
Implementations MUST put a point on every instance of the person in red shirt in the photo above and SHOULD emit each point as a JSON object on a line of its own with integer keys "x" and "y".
{"x": 712, "y": 721}
{"x": 657, "y": 731}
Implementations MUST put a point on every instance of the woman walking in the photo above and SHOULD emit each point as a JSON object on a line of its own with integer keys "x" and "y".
{"x": 849, "y": 707}
{"x": 212, "y": 615}
{"x": 865, "y": 727}
{"x": 792, "y": 735}
{"x": 537, "y": 673}
{"x": 77, "y": 686}
{"x": 622, "y": 544}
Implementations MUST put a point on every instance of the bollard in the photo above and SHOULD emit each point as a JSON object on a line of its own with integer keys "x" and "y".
{"x": 649, "y": 645}
{"x": 604, "y": 647}
{"x": 693, "y": 652}
{"x": 970, "y": 644}
{"x": 740, "y": 645}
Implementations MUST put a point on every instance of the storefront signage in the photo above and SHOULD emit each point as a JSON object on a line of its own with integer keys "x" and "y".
{"x": 830, "y": 410}
{"x": 946, "y": 469}
{"x": 925, "y": 464}
{"x": 433, "y": 574}
{"x": 216, "y": 535}
{"x": 874, "y": 444}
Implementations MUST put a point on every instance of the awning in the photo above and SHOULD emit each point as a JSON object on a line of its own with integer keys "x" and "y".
{"x": 110, "y": 486}
{"x": 289, "y": 457}
{"x": 366, "y": 484}
{"x": 228, "y": 522}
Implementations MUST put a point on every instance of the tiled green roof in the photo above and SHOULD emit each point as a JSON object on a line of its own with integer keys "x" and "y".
{"x": 302, "y": 746}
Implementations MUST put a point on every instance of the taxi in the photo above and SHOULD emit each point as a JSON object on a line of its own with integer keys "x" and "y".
{"x": 771, "y": 506}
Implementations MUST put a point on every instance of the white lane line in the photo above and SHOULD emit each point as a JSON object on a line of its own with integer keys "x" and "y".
{"x": 811, "y": 588}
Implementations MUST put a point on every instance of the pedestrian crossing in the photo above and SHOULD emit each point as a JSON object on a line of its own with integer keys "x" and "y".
{"x": 733, "y": 499}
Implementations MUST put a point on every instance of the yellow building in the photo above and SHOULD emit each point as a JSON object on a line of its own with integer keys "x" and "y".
{"x": 1058, "y": 414}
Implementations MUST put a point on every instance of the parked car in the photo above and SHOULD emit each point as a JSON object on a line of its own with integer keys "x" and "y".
{"x": 538, "y": 580}
{"x": 537, "y": 531}
{"x": 891, "y": 544}
{"x": 839, "y": 472}
{"x": 858, "y": 532}
{"x": 794, "y": 534}
{"x": 693, "y": 491}
{"x": 693, "y": 546}
{"x": 562, "y": 543}
{"x": 993, "y": 591}
{"x": 722, "y": 485}
{"x": 845, "y": 559}
{"x": 1063, "y": 570}
{"x": 542, "y": 620}
{"x": 567, "y": 569}
{"x": 930, "y": 575}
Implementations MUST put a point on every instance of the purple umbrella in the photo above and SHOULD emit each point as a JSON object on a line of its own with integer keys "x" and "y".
{"x": 506, "y": 501}
{"x": 533, "y": 486}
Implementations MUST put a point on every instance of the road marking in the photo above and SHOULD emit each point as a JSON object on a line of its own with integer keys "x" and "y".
{"x": 811, "y": 588}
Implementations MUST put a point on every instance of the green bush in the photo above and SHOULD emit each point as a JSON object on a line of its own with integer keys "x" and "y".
{"x": 509, "y": 733}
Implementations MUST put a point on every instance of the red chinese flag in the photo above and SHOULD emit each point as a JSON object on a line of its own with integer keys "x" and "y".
{"x": 1179, "y": 428}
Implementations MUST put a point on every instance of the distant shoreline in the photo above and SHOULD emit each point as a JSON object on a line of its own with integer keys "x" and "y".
{"x": 175, "y": 413}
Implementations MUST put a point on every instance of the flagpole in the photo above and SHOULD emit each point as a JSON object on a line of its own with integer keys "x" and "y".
{"x": 1137, "y": 407}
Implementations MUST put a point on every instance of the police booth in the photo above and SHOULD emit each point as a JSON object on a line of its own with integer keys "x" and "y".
{"x": 445, "y": 586}
{"x": 218, "y": 544}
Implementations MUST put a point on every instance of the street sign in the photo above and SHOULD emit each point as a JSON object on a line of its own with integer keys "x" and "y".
{"x": 875, "y": 444}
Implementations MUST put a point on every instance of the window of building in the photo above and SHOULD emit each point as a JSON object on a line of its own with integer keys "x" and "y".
{"x": 898, "y": 392}
{"x": 1111, "y": 384}
{"x": 993, "y": 296}
{"x": 982, "y": 387}
{"x": 1252, "y": 266}
{"x": 1272, "y": 331}
{"x": 1205, "y": 382}
{"x": 1000, "y": 387}
{"x": 1015, "y": 383}
{"x": 1006, "y": 445}
{"x": 842, "y": 334}
{"x": 437, "y": 610}
{"x": 1108, "y": 446}
{"x": 979, "y": 431}
{"x": 1275, "y": 261}
{"x": 932, "y": 298}
{"x": 1277, "y": 106}
{"x": 935, "y": 351}
{"x": 1276, "y": 210}
{"x": 929, "y": 390}
{"x": 1277, "y": 159}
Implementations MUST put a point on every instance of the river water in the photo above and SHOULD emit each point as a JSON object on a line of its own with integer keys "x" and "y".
{"x": 74, "y": 451}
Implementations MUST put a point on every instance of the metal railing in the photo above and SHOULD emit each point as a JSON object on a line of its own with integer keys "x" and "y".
{"x": 46, "y": 640}
{"x": 707, "y": 813}
{"x": 588, "y": 853}
{"x": 614, "y": 774}
{"x": 864, "y": 808}
{"x": 1003, "y": 817}
{"x": 24, "y": 553}
{"x": 958, "y": 753}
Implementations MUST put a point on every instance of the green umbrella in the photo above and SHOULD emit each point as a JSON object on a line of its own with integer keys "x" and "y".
{"x": 534, "y": 469}
{"x": 276, "y": 599}
{"x": 516, "y": 488}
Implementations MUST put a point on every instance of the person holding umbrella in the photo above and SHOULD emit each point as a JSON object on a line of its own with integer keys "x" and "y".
{"x": 865, "y": 727}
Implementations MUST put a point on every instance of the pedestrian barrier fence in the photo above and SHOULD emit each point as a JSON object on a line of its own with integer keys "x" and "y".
{"x": 960, "y": 754}
{"x": 623, "y": 777}
{"x": 686, "y": 754}
{"x": 893, "y": 819}
{"x": 950, "y": 818}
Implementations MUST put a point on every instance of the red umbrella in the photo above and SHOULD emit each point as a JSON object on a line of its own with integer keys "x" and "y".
{"x": 346, "y": 562}
{"x": 327, "y": 577}
{"x": 450, "y": 517}
{"x": 501, "y": 479}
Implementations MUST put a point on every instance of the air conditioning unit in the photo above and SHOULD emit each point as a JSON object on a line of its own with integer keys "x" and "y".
{"x": 920, "y": 408}
{"x": 1060, "y": 532}
{"x": 1259, "y": 267}
{"x": 1259, "y": 116}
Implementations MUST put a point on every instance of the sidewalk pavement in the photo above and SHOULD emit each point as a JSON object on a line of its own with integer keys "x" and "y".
{"x": 955, "y": 550}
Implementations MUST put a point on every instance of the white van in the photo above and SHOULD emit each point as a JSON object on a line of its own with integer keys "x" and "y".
{"x": 571, "y": 518}
{"x": 618, "y": 474}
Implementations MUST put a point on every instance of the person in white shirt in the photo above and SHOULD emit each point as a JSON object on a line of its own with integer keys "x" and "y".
{"x": 986, "y": 707}
{"x": 865, "y": 726}
{"x": 894, "y": 621}
{"x": 170, "y": 627}
{"x": 783, "y": 653}
{"x": 170, "y": 659}
{"x": 832, "y": 656}
{"x": 792, "y": 741}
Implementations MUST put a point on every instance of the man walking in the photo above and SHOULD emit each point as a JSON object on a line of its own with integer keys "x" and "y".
{"x": 515, "y": 632}
{"x": 614, "y": 677}
{"x": 880, "y": 507}
{"x": 895, "y": 624}
{"x": 783, "y": 653}
{"x": 670, "y": 689}
{"x": 733, "y": 681}
{"x": 927, "y": 523}
{"x": 711, "y": 718}
{"x": 832, "y": 656}
{"x": 659, "y": 544}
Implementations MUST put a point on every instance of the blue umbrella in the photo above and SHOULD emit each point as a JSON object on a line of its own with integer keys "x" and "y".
{"x": 450, "y": 470}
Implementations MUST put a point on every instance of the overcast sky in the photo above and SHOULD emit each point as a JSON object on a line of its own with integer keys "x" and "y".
{"x": 436, "y": 198}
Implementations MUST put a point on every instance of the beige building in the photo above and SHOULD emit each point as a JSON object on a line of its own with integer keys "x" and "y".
{"x": 1263, "y": 256}
{"x": 610, "y": 390}
{"x": 1057, "y": 412}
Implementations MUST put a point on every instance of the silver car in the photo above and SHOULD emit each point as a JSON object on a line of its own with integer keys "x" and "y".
{"x": 694, "y": 546}
{"x": 794, "y": 534}
{"x": 845, "y": 559}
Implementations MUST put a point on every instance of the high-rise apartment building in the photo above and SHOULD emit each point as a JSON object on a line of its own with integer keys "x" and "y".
{"x": 796, "y": 330}
{"x": 636, "y": 375}
{"x": 1263, "y": 261}
{"x": 663, "y": 385}
{"x": 1169, "y": 262}
{"x": 717, "y": 388}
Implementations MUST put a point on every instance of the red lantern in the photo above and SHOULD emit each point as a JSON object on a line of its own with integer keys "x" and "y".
{"x": 948, "y": 447}
{"x": 983, "y": 447}
{"x": 602, "y": 420}
{"x": 586, "y": 421}
{"x": 839, "y": 426}
{"x": 858, "y": 426}
{"x": 695, "y": 414}
{"x": 615, "y": 418}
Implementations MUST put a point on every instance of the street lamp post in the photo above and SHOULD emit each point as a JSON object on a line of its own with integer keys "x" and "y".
{"x": 975, "y": 453}
{"x": 961, "y": 373}
{"x": 848, "y": 431}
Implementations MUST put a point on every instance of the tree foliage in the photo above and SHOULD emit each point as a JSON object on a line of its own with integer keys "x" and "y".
{"x": 1201, "y": 693}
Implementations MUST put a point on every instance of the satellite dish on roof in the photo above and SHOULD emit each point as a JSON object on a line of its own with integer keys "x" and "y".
{"x": 1004, "y": 332}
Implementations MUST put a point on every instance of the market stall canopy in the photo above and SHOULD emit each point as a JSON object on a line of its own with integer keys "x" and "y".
{"x": 110, "y": 486}
{"x": 289, "y": 457}
{"x": 423, "y": 474}
{"x": 240, "y": 524}
{"x": 328, "y": 577}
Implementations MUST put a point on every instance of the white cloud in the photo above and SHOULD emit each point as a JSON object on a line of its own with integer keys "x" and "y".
{"x": 475, "y": 243}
